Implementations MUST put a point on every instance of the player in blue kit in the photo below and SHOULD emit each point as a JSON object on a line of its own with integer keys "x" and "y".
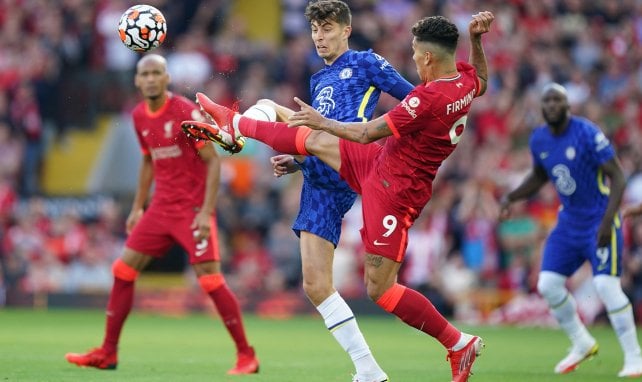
{"x": 346, "y": 89}
{"x": 575, "y": 155}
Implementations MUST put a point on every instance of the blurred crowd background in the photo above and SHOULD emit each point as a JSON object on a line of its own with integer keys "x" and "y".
{"x": 63, "y": 69}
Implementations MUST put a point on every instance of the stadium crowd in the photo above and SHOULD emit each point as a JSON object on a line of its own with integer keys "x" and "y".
{"x": 61, "y": 65}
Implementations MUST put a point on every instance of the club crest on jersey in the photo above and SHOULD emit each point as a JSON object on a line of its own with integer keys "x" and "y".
{"x": 570, "y": 153}
{"x": 345, "y": 73}
{"x": 414, "y": 102}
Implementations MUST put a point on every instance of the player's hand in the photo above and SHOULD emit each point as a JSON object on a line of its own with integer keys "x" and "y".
{"x": 307, "y": 116}
{"x": 132, "y": 219}
{"x": 283, "y": 165}
{"x": 201, "y": 226}
{"x": 480, "y": 23}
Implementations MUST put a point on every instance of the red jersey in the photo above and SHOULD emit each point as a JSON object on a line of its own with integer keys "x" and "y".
{"x": 426, "y": 126}
{"x": 179, "y": 173}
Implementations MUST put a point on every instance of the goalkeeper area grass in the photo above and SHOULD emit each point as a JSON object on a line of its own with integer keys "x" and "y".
{"x": 197, "y": 348}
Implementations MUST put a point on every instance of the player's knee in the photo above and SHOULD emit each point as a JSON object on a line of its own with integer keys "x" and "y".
{"x": 610, "y": 291}
{"x": 552, "y": 286}
{"x": 124, "y": 271}
{"x": 375, "y": 290}
{"x": 317, "y": 291}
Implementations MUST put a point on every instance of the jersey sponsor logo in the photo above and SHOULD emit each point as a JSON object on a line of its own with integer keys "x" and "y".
{"x": 406, "y": 106}
{"x": 601, "y": 141}
{"x": 172, "y": 151}
{"x": 570, "y": 153}
{"x": 345, "y": 73}
{"x": 543, "y": 155}
{"x": 384, "y": 63}
{"x": 324, "y": 98}
{"x": 377, "y": 243}
{"x": 564, "y": 182}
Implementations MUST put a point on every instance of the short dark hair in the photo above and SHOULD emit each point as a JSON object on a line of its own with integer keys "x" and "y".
{"x": 328, "y": 10}
{"x": 438, "y": 30}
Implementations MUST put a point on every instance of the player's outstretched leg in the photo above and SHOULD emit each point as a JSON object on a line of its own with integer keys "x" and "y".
{"x": 97, "y": 358}
{"x": 229, "y": 129}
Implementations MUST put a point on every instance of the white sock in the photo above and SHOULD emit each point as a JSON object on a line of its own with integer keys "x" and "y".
{"x": 341, "y": 322}
{"x": 569, "y": 321}
{"x": 261, "y": 112}
{"x": 464, "y": 339}
{"x": 620, "y": 314}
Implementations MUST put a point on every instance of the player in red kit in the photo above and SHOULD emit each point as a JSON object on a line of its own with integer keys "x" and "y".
{"x": 394, "y": 180}
{"x": 186, "y": 175}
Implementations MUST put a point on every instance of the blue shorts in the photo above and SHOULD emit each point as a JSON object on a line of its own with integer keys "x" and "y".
{"x": 325, "y": 199}
{"x": 566, "y": 250}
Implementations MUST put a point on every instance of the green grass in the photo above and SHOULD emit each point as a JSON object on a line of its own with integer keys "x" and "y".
{"x": 197, "y": 348}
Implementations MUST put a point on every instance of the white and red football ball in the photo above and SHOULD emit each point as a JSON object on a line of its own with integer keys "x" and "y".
{"x": 142, "y": 28}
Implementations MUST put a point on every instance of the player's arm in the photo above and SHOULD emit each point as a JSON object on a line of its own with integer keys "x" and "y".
{"x": 362, "y": 132}
{"x": 202, "y": 220}
{"x": 529, "y": 187}
{"x": 617, "y": 183}
{"x": 479, "y": 25}
{"x": 145, "y": 179}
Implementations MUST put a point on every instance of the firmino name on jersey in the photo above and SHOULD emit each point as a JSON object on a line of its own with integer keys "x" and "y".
{"x": 460, "y": 103}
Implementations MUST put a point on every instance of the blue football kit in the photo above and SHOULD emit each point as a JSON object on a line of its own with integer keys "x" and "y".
{"x": 572, "y": 162}
{"x": 347, "y": 91}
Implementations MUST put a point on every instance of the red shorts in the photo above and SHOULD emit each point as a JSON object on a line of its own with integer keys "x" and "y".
{"x": 156, "y": 232}
{"x": 385, "y": 223}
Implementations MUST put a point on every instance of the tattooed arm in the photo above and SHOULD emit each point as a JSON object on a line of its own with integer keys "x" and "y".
{"x": 362, "y": 132}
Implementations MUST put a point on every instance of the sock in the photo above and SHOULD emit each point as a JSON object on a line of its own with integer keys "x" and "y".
{"x": 624, "y": 326}
{"x": 120, "y": 304}
{"x": 341, "y": 322}
{"x": 284, "y": 139}
{"x": 416, "y": 310}
{"x": 228, "y": 308}
{"x": 566, "y": 315}
{"x": 620, "y": 314}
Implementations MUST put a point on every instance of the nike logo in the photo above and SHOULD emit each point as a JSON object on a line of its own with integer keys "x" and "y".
{"x": 376, "y": 242}
{"x": 145, "y": 133}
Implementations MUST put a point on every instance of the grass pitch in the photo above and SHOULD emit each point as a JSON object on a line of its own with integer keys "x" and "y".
{"x": 197, "y": 348}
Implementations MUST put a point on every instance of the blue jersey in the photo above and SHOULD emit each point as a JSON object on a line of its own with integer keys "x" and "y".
{"x": 348, "y": 91}
{"x": 572, "y": 162}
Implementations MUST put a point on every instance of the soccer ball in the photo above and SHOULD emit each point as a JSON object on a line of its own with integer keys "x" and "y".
{"x": 142, "y": 28}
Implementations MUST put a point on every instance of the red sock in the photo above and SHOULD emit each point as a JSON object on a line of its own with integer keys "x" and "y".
{"x": 228, "y": 308}
{"x": 284, "y": 139}
{"x": 120, "y": 304}
{"x": 416, "y": 310}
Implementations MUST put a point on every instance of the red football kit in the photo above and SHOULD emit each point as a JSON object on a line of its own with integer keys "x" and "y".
{"x": 179, "y": 176}
{"x": 395, "y": 180}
